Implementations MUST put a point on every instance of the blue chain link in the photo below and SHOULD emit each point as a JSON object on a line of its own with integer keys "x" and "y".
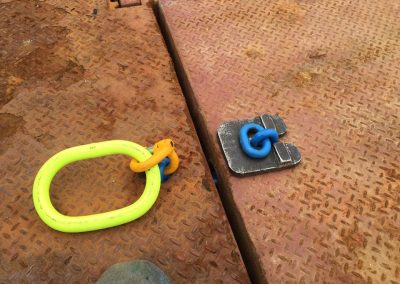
{"x": 260, "y": 145}
{"x": 162, "y": 165}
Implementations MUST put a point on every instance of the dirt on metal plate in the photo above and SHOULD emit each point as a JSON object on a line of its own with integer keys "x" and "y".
{"x": 72, "y": 73}
{"x": 331, "y": 70}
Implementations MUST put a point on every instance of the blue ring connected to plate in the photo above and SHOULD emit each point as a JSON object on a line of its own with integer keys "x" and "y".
{"x": 260, "y": 145}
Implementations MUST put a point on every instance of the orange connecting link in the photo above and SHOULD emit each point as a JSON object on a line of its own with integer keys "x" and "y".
{"x": 162, "y": 149}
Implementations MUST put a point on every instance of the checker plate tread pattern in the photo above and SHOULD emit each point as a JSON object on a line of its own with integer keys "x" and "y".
{"x": 75, "y": 72}
{"x": 331, "y": 70}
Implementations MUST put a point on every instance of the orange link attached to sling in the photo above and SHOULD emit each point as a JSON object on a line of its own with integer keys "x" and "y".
{"x": 162, "y": 149}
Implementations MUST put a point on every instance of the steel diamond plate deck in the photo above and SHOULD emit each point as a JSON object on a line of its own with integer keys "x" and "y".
{"x": 74, "y": 72}
{"x": 331, "y": 70}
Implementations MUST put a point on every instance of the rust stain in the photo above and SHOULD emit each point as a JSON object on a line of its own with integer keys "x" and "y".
{"x": 9, "y": 125}
{"x": 7, "y": 88}
{"x": 44, "y": 64}
{"x": 37, "y": 51}
{"x": 317, "y": 54}
{"x": 290, "y": 10}
{"x": 354, "y": 239}
{"x": 253, "y": 52}
{"x": 305, "y": 78}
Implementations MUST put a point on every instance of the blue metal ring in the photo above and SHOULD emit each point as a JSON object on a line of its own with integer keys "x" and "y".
{"x": 263, "y": 136}
{"x": 162, "y": 165}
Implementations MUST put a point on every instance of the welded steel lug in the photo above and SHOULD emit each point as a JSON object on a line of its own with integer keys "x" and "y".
{"x": 283, "y": 155}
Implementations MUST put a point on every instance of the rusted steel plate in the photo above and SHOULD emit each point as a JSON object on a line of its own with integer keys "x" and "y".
{"x": 331, "y": 70}
{"x": 73, "y": 72}
{"x": 129, "y": 3}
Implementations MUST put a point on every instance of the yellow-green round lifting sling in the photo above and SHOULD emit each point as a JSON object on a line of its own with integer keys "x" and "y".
{"x": 63, "y": 223}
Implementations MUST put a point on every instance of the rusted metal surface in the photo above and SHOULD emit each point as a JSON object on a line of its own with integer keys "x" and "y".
{"x": 129, "y": 3}
{"x": 331, "y": 70}
{"x": 71, "y": 76}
